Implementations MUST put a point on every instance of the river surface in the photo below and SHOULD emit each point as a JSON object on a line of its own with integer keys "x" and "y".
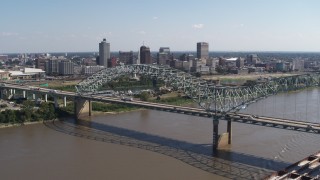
{"x": 150, "y": 144}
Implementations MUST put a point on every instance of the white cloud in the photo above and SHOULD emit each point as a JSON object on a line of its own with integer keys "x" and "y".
{"x": 155, "y": 18}
{"x": 241, "y": 25}
{"x": 198, "y": 26}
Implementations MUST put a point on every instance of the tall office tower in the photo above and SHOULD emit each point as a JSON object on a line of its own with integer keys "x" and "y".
{"x": 126, "y": 57}
{"x": 145, "y": 55}
{"x": 162, "y": 58}
{"x": 66, "y": 67}
{"x": 164, "y": 50}
{"x": 104, "y": 53}
{"x": 202, "y": 50}
{"x": 252, "y": 59}
{"x": 41, "y": 63}
{"x": 52, "y": 66}
{"x": 163, "y": 55}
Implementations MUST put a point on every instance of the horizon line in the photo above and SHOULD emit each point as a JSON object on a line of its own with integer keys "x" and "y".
{"x": 222, "y": 51}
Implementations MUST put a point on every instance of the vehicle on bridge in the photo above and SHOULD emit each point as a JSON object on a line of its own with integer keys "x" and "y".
{"x": 309, "y": 127}
{"x": 53, "y": 91}
{"x": 33, "y": 88}
{"x": 126, "y": 98}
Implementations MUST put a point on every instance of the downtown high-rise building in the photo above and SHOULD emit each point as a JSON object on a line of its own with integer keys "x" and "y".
{"x": 163, "y": 57}
{"x": 104, "y": 53}
{"x": 202, "y": 50}
{"x": 164, "y": 50}
{"x": 126, "y": 57}
{"x": 66, "y": 67}
{"x": 145, "y": 55}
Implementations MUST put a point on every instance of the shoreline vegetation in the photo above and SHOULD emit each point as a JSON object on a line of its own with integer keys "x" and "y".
{"x": 30, "y": 113}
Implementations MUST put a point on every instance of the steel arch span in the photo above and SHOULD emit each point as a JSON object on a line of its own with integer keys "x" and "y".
{"x": 173, "y": 77}
{"x": 208, "y": 95}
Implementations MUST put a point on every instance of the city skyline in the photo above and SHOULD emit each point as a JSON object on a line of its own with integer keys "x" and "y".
{"x": 78, "y": 26}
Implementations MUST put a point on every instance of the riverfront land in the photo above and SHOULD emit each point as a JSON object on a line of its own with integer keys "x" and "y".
{"x": 239, "y": 79}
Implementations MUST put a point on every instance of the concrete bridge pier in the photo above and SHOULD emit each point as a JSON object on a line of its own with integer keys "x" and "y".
{"x": 24, "y": 94}
{"x": 56, "y": 104}
{"x": 82, "y": 107}
{"x": 215, "y": 135}
{"x": 1, "y": 94}
{"x": 33, "y": 96}
{"x": 64, "y": 101}
{"x": 221, "y": 140}
{"x": 229, "y": 131}
{"x": 46, "y": 98}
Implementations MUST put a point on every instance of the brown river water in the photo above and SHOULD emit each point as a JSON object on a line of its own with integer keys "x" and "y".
{"x": 149, "y": 144}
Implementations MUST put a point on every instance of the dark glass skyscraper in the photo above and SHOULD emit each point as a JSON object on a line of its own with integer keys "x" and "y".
{"x": 202, "y": 50}
{"x": 126, "y": 57}
{"x": 145, "y": 55}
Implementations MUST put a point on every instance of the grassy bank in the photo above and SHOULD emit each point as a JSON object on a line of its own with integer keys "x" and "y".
{"x": 103, "y": 107}
{"x": 178, "y": 100}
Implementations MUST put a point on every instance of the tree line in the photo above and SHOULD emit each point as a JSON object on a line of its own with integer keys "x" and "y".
{"x": 29, "y": 113}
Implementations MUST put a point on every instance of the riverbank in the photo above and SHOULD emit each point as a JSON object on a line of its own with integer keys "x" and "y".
{"x": 114, "y": 112}
{"x": 252, "y": 76}
{"x": 21, "y": 124}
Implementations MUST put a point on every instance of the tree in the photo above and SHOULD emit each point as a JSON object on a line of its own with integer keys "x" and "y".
{"x": 28, "y": 105}
{"x": 10, "y": 116}
{"x": 144, "y": 96}
{"x": 198, "y": 74}
{"x": 2, "y": 117}
{"x": 47, "y": 111}
{"x": 221, "y": 70}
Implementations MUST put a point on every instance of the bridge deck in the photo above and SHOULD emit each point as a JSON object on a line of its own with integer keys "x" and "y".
{"x": 307, "y": 168}
{"x": 240, "y": 118}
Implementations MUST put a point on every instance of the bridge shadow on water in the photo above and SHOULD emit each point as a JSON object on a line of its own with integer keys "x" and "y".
{"x": 228, "y": 164}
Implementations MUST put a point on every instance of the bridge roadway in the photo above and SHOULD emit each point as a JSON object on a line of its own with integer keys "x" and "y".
{"x": 234, "y": 117}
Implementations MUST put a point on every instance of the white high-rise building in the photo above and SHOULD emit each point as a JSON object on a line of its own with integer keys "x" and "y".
{"x": 104, "y": 53}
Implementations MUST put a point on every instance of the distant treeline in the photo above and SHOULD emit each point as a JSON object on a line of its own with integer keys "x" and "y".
{"x": 31, "y": 113}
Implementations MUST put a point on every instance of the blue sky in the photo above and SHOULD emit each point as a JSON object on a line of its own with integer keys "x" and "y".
{"x": 227, "y": 25}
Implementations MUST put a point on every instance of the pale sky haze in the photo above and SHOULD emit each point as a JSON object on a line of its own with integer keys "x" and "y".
{"x": 35, "y": 26}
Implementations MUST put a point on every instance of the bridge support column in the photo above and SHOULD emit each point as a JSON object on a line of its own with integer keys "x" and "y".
{"x": 1, "y": 94}
{"x": 56, "y": 104}
{"x": 215, "y": 135}
{"x": 90, "y": 108}
{"x": 14, "y": 91}
{"x": 82, "y": 107}
{"x": 221, "y": 141}
{"x": 229, "y": 131}
{"x": 24, "y": 94}
{"x": 46, "y": 98}
{"x": 33, "y": 96}
{"x": 64, "y": 101}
